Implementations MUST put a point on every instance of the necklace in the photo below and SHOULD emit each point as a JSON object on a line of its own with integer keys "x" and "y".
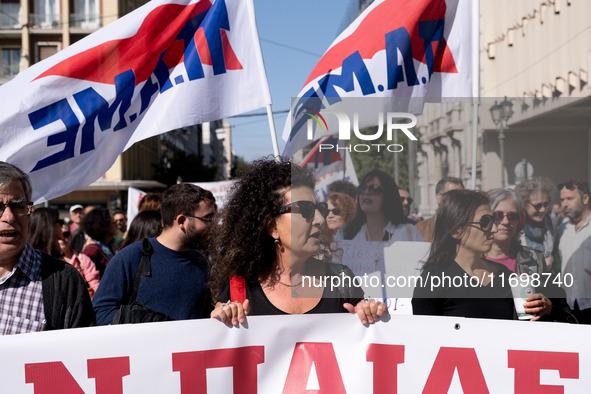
{"x": 285, "y": 284}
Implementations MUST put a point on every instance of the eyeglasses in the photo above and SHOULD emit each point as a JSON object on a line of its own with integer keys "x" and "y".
{"x": 370, "y": 189}
{"x": 486, "y": 222}
{"x": 66, "y": 234}
{"x": 512, "y": 217}
{"x": 306, "y": 208}
{"x": 335, "y": 211}
{"x": 205, "y": 220}
{"x": 18, "y": 208}
{"x": 408, "y": 199}
{"x": 538, "y": 207}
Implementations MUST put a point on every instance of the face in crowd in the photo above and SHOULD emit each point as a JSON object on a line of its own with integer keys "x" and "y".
{"x": 14, "y": 221}
{"x": 371, "y": 196}
{"x": 298, "y": 225}
{"x": 538, "y": 206}
{"x": 479, "y": 235}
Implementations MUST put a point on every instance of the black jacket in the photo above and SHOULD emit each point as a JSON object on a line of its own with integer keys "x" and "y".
{"x": 66, "y": 302}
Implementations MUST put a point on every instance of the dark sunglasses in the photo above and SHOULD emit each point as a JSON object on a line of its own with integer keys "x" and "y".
{"x": 370, "y": 189}
{"x": 572, "y": 185}
{"x": 408, "y": 199}
{"x": 306, "y": 208}
{"x": 538, "y": 207}
{"x": 512, "y": 217}
{"x": 18, "y": 208}
{"x": 66, "y": 234}
{"x": 335, "y": 211}
{"x": 486, "y": 222}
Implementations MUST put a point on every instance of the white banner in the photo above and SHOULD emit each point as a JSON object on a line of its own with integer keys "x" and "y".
{"x": 219, "y": 190}
{"x": 298, "y": 354}
{"x": 395, "y": 48}
{"x": 168, "y": 64}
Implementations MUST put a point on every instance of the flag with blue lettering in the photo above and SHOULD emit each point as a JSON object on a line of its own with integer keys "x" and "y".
{"x": 413, "y": 51}
{"x": 168, "y": 64}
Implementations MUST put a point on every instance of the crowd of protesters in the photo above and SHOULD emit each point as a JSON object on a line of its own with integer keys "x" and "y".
{"x": 180, "y": 258}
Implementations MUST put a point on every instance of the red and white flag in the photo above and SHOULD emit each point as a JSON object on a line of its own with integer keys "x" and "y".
{"x": 168, "y": 64}
{"x": 425, "y": 49}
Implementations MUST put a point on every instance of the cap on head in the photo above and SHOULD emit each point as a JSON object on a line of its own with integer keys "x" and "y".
{"x": 75, "y": 207}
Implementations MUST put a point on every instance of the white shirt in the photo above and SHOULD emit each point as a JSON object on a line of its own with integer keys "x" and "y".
{"x": 398, "y": 232}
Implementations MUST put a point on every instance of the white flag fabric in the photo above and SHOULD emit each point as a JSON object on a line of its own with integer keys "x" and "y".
{"x": 134, "y": 196}
{"x": 168, "y": 64}
{"x": 426, "y": 49}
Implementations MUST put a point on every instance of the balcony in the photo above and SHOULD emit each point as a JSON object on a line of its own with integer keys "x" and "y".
{"x": 45, "y": 21}
{"x": 86, "y": 21}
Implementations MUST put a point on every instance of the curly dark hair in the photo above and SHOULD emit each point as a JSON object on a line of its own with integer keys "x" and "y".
{"x": 243, "y": 244}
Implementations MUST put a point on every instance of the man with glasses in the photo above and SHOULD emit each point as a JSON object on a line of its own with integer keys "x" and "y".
{"x": 538, "y": 233}
{"x": 37, "y": 292}
{"x": 575, "y": 247}
{"x": 427, "y": 227}
{"x": 177, "y": 286}
{"x": 406, "y": 202}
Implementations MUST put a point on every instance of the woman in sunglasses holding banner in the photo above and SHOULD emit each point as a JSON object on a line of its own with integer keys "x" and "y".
{"x": 265, "y": 264}
{"x": 379, "y": 213}
{"x": 456, "y": 280}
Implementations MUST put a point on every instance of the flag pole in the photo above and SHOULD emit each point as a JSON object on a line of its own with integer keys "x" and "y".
{"x": 475, "y": 87}
{"x": 273, "y": 133}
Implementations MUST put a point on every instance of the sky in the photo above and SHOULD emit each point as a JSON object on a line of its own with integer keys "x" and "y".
{"x": 294, "y": 34}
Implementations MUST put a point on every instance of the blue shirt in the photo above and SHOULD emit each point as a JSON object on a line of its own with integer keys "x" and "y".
{"x": 177, "y": 287}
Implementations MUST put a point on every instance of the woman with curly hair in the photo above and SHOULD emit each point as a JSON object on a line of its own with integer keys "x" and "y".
{"x": 341, "y": 210}
{"x": 538, "y": 233}
{"x": 269, "y": 235}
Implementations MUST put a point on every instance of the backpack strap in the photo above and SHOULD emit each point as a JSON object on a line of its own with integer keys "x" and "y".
{"x": 237, "y": 288}
{"x": 144, "y": 269}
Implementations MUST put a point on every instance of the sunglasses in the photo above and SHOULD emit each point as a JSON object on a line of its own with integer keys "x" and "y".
{"x": 335, "y": 211}
{"x": 573, "y": 185}
{"x": 538, "y": 207}
{"x": 370, "y": 189}
{"x": 486, "y": 222}
{"x": 306, "y": 208}
{"x": 512, "y": 217}
{"x": 408, "y": 199}
{"x": 18, "y": 208}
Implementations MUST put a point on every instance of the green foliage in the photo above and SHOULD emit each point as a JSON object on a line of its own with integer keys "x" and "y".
{"x": 239, "y": 167}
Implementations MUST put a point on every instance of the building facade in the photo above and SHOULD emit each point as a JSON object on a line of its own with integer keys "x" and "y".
{"x": 537, "y": 54}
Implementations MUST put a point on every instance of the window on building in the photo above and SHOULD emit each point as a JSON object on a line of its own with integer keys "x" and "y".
{"x": 46, "y": 49}
{"x": 47, "y": 13}
{"x": 86, "y": 14}
{"x": 10, "y": 14}
{"x": 9, "y": 62}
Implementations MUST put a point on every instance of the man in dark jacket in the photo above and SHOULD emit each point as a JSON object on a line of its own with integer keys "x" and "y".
{"x": 37, "y": 292}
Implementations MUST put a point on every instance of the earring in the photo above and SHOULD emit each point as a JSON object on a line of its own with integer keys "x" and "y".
{"x": 277, "y": 241}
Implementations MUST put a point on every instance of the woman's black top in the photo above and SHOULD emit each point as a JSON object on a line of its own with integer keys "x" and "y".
{"x": 463, "y": 297}
{"x": 331, "y": 302}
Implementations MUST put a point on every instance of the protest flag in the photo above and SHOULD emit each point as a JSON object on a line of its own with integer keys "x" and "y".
{"x": 166, "y": 65}
{"x": 412, "y": 51}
